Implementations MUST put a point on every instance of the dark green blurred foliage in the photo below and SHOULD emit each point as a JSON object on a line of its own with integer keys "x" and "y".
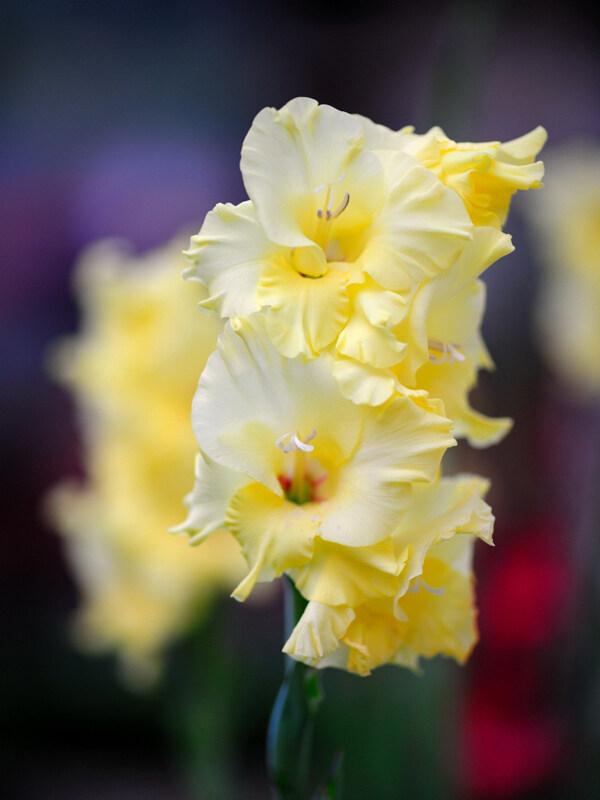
{"x": 395, "y": 730}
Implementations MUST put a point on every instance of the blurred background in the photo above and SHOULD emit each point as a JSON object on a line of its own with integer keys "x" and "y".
{"x": 126, "y": 119}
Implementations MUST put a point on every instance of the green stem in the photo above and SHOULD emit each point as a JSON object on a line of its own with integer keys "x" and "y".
{"x": 289, "y": 738}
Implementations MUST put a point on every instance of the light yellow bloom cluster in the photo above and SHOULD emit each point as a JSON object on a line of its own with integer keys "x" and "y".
{"x": 350, "y": 279}
{"x": 566, "y": 223}
{"x": 133, "y": 370}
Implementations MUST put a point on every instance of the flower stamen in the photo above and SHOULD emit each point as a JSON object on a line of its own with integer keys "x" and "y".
{"x": 444, "y": 352}
{"x": 420, "y": 584}
{"x": 330, "y": 213}
{"x": 291, "y": 441}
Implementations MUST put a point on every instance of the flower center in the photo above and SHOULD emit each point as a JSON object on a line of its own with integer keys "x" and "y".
{"x": 444, "y": 352}
{"x": 303, "y": 476}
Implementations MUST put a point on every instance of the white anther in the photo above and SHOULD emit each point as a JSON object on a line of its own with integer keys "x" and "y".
{"x": 455, "y": 354}
{"x": 448, "y": 352}
{"x": 342, "y": 207}
{"x": 439, "y": 591}
{"x": 291, "y": 441}
{"x": 420, "y": 583}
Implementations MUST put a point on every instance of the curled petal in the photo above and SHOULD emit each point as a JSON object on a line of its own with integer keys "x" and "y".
{"x": 228, "y": 256}
{"x": 443, "y": 623}
{"x": 440, "y": 511}
{"x": 208, "y": 501}
{"x": 318, "y": 633}
{"x": 275, "y": 535}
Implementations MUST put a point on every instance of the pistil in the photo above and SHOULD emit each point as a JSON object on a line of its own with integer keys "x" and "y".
{"x": 299, "y": 488}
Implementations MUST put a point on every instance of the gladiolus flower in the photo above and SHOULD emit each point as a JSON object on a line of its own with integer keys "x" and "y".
{"x": 327, "y": 218}
{"x": 290, "y": 467}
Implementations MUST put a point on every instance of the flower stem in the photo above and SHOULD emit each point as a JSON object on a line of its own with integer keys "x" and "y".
{"x": 289, "y": 738}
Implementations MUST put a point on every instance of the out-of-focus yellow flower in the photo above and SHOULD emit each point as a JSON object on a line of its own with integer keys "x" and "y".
{"x": 484, "y": 174}
{"x": 333, "y": 234}
{"x": 424, "y": 607}
{"x": 566, "y": 221}
{"x": 295, "y": 471}
{"x": 133, "y": 370}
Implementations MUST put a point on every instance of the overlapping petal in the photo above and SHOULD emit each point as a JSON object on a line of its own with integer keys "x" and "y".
{"x": 439, "y": 348}
{"x": 383, "y": 609}
{"x": 419, "y": 231}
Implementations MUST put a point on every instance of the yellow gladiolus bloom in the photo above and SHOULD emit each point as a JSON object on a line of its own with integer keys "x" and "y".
{"x": 293, "y": 469}
{"x": 328, "y": 220}
{"x": 416, "y": 599}
{"x": 485, "y": 175}
{"x": 133, "y": 370}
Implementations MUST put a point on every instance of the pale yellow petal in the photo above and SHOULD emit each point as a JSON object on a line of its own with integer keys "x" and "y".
{"x": 439, "y": 511}
{"x": 304, "y": 314}
{"x": 208, "y": 501}
{"x": 380, "y": 137}
{"x": 525, "y": 148}
{"x": 379, "y": 306}
{"x": 370, "y": 344}
{"x": 441, "y": 614}
{"x": 401, "y": 443}
{"x": 275, "y": 535}
{"x": 362, "y": 383}
{"x": 481, "y": 430}
{"x": 318, "y": 632}
{"x": 339, "y": 575}
{"x": 228, "y": 256}
{"x": 419, "y": 231}
{"x": 452, "y": 383}
{"x": 374, "y": 637}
